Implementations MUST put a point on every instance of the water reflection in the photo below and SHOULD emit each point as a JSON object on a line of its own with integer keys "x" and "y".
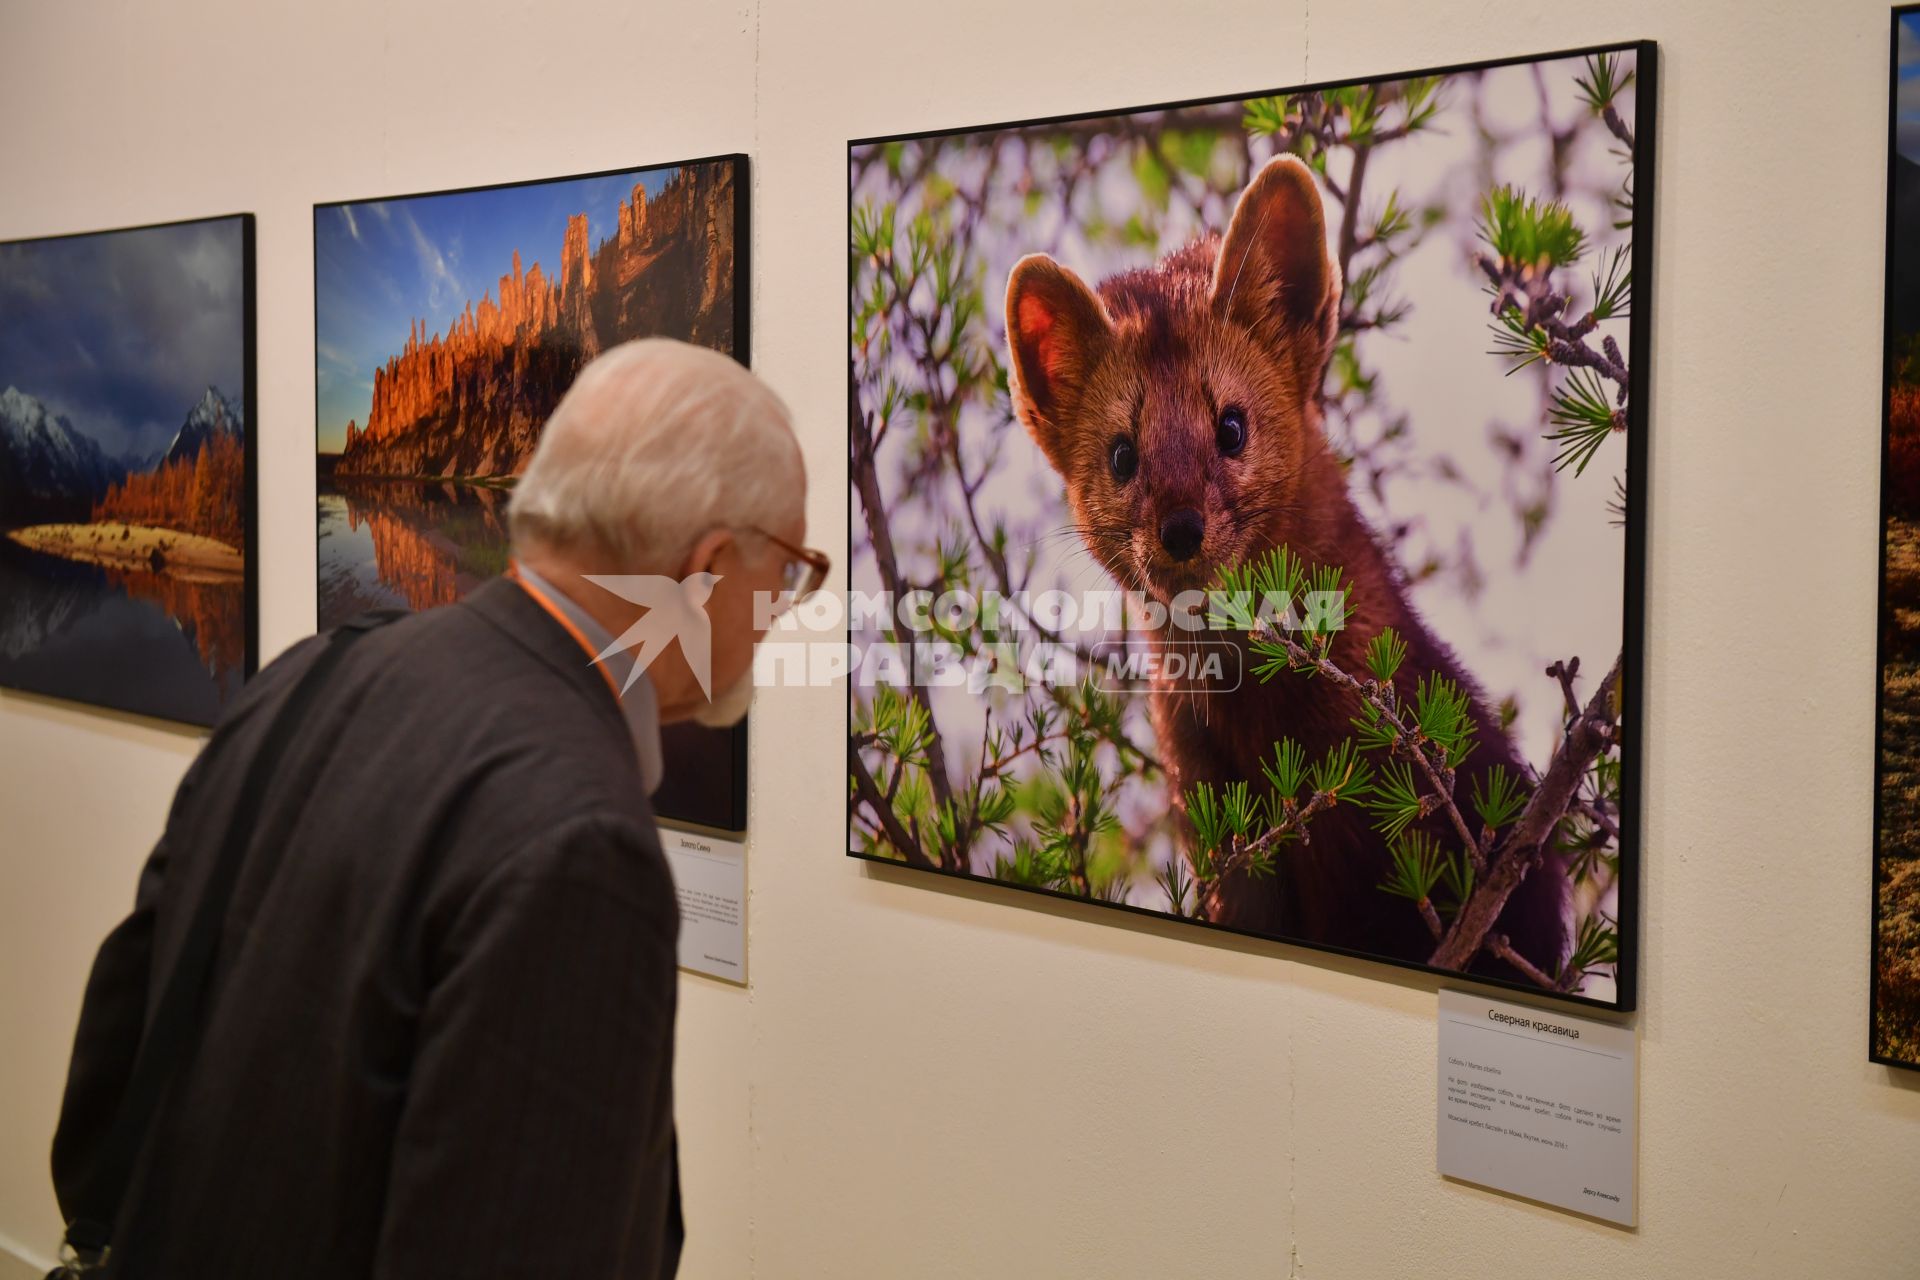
{"x": 417, "y": 544}
{"x": 126, "y": 638}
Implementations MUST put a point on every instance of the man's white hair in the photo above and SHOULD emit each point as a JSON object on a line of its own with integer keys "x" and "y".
{"x": 656, "y": 443}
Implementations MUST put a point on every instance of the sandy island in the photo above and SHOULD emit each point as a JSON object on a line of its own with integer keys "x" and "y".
{"x": 186, "y": 556}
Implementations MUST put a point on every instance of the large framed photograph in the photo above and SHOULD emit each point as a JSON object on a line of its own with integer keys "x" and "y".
{"x": 447, "y": 327}
{"x": 1894, "y": 1016}
{"x": 1248, "y": 512}
{"x": 127, "y": 521}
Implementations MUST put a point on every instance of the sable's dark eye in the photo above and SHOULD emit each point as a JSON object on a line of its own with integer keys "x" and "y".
{"x": 1230, "y": 433}
{"x": 1121, "y": 459}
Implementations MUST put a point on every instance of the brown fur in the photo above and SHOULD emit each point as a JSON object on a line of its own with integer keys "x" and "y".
{"x": 1247, "y": 320}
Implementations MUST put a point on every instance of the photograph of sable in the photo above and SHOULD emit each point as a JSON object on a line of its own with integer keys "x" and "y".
{"x": 127, "y": 574}
{"x": 1257, "y": 485}
{"x": 448, "y": 325}
{"x": 1895, "y": 1014}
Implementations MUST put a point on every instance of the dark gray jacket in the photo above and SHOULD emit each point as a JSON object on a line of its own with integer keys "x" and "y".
{"x": 440, "y": 1041}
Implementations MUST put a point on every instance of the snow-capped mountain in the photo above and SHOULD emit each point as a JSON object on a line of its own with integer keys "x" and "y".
{"x": 214, "y": 413}
{"x": 48, "y": 469}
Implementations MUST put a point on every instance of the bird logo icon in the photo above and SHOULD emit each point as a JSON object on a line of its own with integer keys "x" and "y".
{"x": 675, "y": 610}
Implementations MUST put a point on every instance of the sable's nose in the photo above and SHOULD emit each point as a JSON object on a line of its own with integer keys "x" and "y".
{"x": 1180, "y": 533}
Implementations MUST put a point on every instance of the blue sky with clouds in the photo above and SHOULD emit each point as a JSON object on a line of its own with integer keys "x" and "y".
{"x": 380, "y": 265}
{"x": 122, "y": 332}
{"x": 1907, "y": 90}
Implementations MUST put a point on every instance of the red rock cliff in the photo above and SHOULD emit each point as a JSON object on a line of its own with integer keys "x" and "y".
{"x": 471, "y": 401}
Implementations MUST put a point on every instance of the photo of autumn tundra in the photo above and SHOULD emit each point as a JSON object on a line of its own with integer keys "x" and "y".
{"x": 1247, "y": 523}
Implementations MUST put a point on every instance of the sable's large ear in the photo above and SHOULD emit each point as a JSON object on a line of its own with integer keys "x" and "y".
{"x": 1056, "y": 332}
{"x": 1274, "y": 275}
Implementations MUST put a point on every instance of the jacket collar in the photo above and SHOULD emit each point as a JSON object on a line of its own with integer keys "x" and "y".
{"x": 639, "y": 703}
{"x": 506, "y": 605}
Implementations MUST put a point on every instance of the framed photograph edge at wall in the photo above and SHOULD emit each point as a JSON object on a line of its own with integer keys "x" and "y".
{"x": 1633, "y": 613}
{"x": 1888, "y": 364}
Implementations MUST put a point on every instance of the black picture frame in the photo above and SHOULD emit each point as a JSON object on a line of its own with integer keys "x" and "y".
{"x": 705, "y": 783}
{"x": 1632, "y": 728}
{"x": 146, "y": 702}
{"x": 1885, "y": 649}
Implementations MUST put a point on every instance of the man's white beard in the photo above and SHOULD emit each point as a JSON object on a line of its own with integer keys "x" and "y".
{"x": 730, "y": 708}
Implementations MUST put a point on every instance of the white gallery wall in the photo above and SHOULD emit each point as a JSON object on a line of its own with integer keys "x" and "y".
{"x": 937, "y": 1080}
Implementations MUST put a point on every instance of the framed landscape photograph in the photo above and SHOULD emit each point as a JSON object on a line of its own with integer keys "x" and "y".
{"x": 1894, "y": 1016}
{"x": 448, "y": 326}
{"x": 127, "y": 516}
{"x": 1247, "y": 512}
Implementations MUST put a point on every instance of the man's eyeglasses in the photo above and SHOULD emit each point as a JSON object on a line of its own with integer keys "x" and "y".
{"x": 805, "y": 569}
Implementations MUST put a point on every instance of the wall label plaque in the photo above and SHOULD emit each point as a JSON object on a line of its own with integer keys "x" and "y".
{"x": 1537, "y": 1103}
{"x": 710, "y": 876}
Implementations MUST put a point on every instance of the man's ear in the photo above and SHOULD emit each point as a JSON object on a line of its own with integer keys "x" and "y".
{"x": 1274, "y": 275}
{"x": 707, "y": 552}
{"x": 1056, "y": 333}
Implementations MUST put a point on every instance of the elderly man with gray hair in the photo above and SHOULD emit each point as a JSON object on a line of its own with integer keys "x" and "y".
{"x": 397, "y": 994}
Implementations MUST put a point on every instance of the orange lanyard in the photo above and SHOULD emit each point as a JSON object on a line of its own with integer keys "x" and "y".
{"x": 559, "y": 615}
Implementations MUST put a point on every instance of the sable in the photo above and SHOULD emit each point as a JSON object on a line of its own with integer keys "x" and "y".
{"x": 1180, "y": 404}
